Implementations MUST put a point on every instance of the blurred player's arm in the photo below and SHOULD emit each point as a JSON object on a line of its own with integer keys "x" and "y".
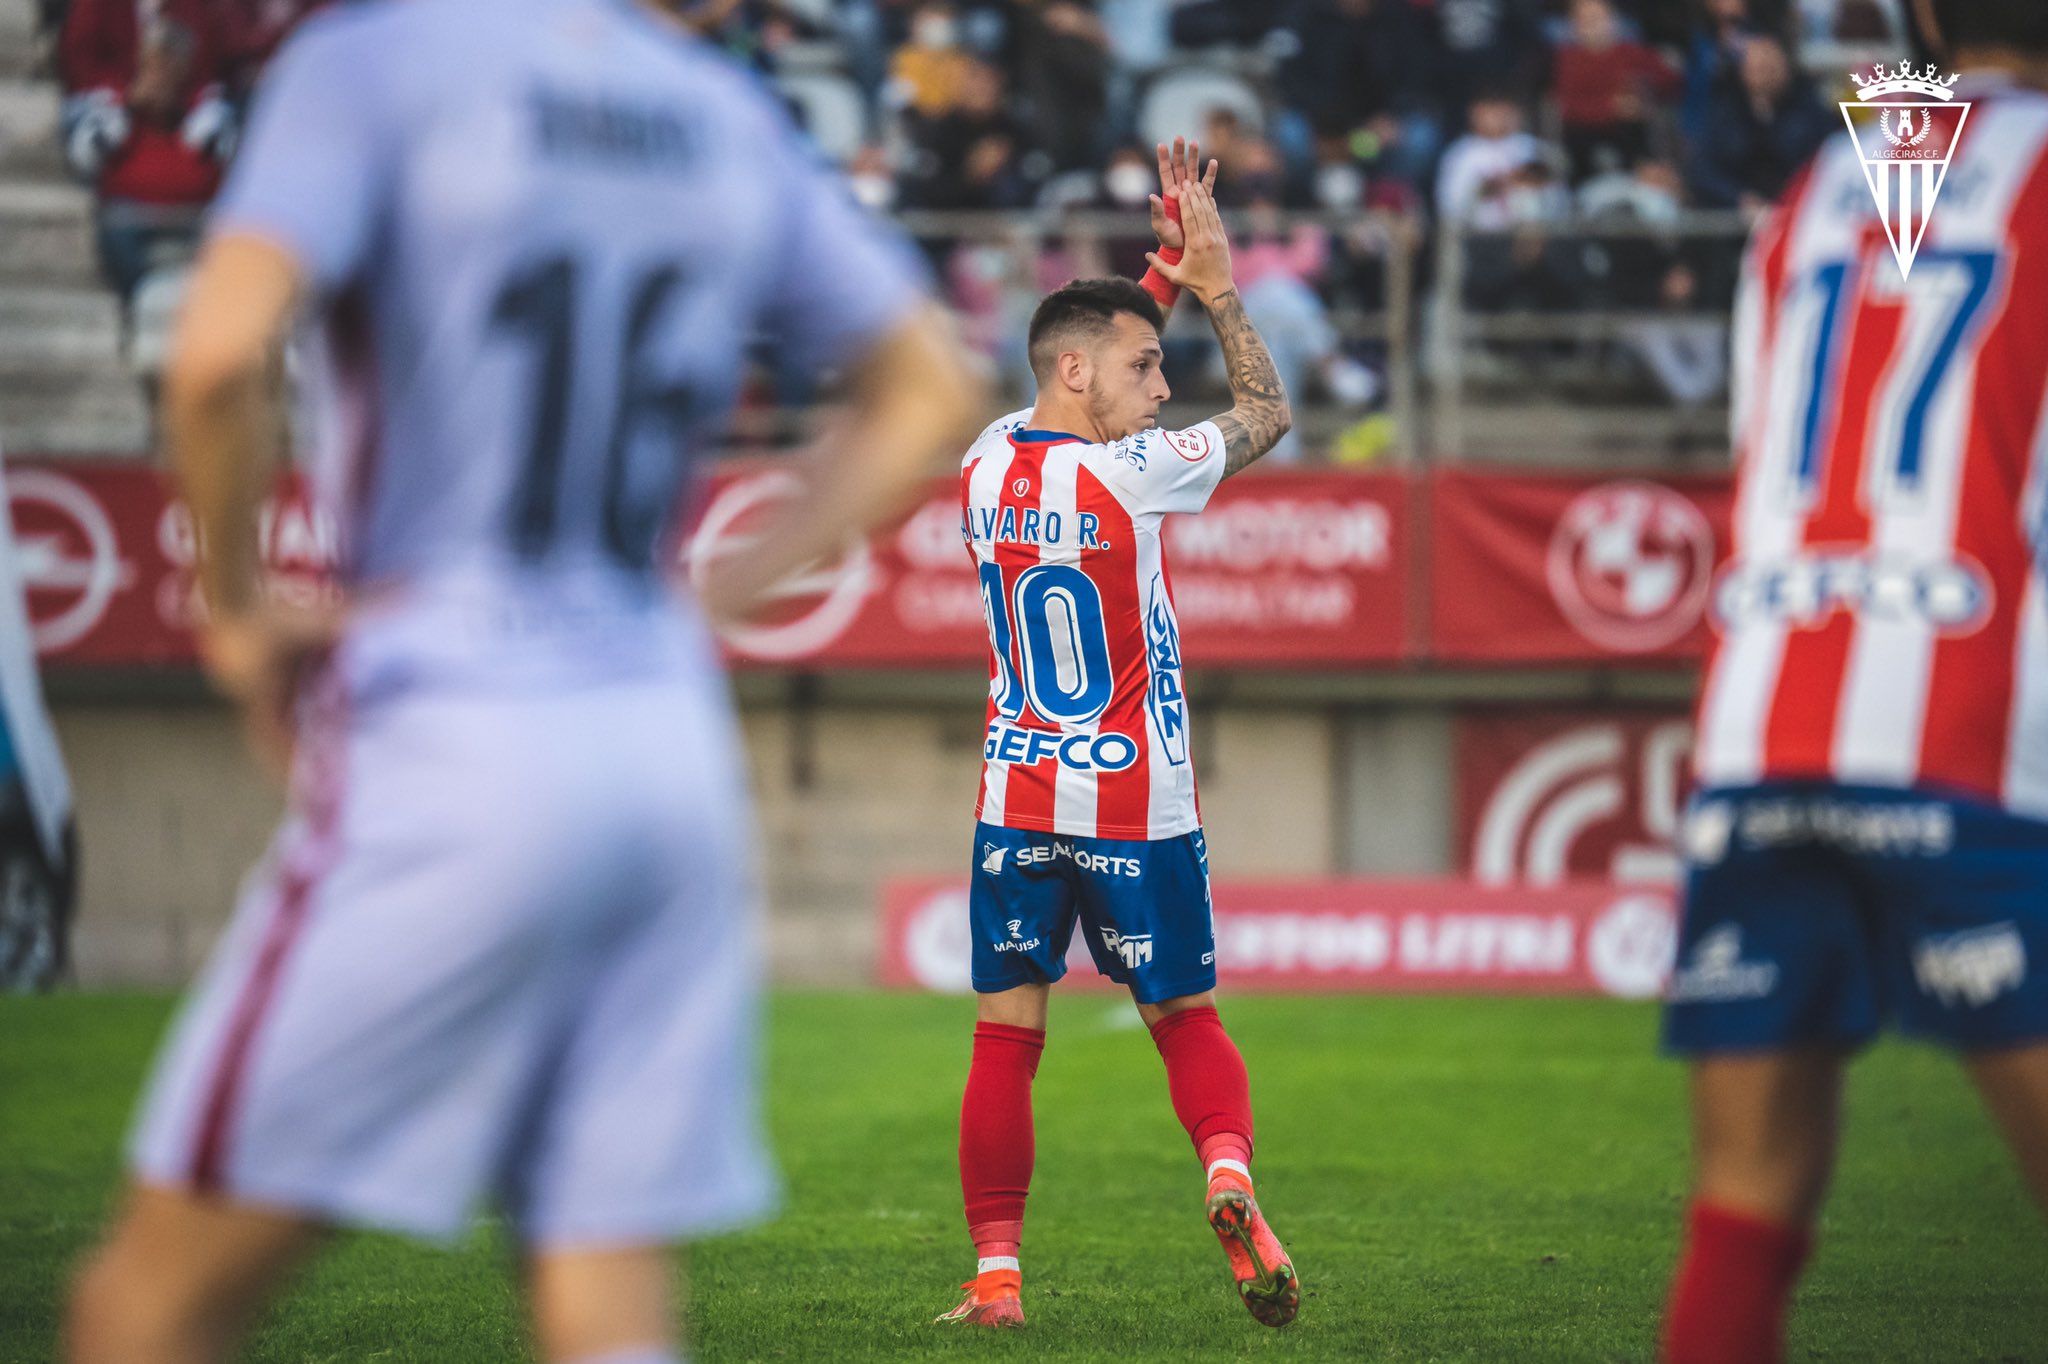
{"x": 913, "y": 405}
{"x": 219, "y": 421}
{"x": 218, "y": 405}
{"x": 1260, "y": 413}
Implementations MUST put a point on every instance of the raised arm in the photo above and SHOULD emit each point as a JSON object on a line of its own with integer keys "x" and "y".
{"x": 1259, "y": 415}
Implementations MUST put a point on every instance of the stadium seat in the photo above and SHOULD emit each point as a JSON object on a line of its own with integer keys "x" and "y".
{"x": 1179, "y": 100}
{"x": 831, "y": 109}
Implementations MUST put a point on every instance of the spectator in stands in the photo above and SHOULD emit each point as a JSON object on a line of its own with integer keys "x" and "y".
{"x": 251, "y": 33}
{"x": 1499, "y": 179}
{"x": 1686, "y": 350}
{"x": 1484, "y": 181}
{"x": 928, "y": 72}
{"x": 1362, "y": 69}
{"x": 1762, "y": 126}
{"x": 1277, "y": 270}
{"x": 1233, "y": 23}
{"x": 971, "y": 156}
{"x": 148, "y": 122}
{"x": 1061, "y": 59}
{"x": 1606, "y": 88}
{"x": 871, "y": 178}
{"x": 1489, "y": 45}
{"x": 1713, "y": 55}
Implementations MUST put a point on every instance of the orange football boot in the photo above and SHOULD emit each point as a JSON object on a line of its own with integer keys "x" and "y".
{"x": 1265, "y": 1276}
{"x": 993, "y": 1298}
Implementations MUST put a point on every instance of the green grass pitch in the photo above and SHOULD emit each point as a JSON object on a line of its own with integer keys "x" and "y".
{"x": 1459, "y": 1179}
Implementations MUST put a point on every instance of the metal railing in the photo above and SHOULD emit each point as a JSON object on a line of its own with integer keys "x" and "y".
{"x": 1432, "y": 334}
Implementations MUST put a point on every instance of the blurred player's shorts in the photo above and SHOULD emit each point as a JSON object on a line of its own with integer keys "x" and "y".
{"x": 504, "y": 950}
{"x": 1142, "y": 905}
{"x": 1816, "y": 913}
{"x": 37, "y": 892}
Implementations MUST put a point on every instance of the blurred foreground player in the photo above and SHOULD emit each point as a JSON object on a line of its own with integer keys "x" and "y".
{"x": 504, "y": 946}
{"x": 1871, "y": 838}
{"x": 1087, "y": 806}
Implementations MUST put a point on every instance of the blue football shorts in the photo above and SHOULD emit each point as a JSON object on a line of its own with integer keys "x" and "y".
{"x": 1142, "y": 905}
{"x": 1816, "y": 912}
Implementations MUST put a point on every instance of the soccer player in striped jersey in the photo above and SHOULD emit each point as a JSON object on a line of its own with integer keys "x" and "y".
{"x": 1870, "y": 842}
{"x": 1087, "y": 809}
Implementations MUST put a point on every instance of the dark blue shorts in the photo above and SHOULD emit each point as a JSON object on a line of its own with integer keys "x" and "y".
{"x": 1143, "y": 907}
{"x": 1816, "y": 912}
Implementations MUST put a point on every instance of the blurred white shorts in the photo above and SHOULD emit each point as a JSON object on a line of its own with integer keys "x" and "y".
{"x": 503, "y": 949}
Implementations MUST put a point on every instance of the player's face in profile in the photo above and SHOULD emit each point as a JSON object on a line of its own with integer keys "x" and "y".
{"x": 1128, "y": 385}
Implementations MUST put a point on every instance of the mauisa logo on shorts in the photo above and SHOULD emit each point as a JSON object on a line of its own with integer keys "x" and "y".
{"x": 1715, "y": 973}
{"x": 1135, "y": 951}
{"x": 1972, "y": 968}
{"x": 1017, "y": 942}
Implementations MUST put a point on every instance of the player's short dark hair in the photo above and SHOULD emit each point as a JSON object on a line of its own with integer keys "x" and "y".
{"x": 1085, "y": 308}
{"x": 2021, "y": 24}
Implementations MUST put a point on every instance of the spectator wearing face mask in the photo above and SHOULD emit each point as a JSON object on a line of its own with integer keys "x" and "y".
{"x": 1482, "y": 182}
{"x": 1501, "y": 181}
{"x": 928, "y": 72}
{"x": 973, "y": 156}
{"x": 1763, "y": 124}
{"x": 1606, "y": 87}
{"x": 1278, "y": 270}
{"x": 147, "y": 121}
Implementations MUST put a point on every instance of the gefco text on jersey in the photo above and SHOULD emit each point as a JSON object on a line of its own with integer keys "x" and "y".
{"x": 1029, "y": 526}
{"x": 1107, "y": 752}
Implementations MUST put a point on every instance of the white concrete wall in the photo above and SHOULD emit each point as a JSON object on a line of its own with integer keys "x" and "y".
{"x": 851, "y": 790}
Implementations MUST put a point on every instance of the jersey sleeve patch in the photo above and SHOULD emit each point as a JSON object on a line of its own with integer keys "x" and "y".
{"x": 1190, "y": 445}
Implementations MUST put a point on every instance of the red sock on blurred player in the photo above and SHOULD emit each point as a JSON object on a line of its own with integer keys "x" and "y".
{"x": 996, "y": 1145}
{"x": 1212, "y": 1095}
{"x": 1729, "y": 1295}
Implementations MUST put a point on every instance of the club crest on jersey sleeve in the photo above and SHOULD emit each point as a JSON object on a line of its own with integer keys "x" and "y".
{"x": 1191, "y": 446}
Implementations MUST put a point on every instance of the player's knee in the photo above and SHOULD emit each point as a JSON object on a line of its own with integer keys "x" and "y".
{"x": 1785, "y": 1182}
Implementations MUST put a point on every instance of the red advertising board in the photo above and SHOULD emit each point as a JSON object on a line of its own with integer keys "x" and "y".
{"x": 1549, "y": 794}
{"x": 106, "y": 558}
{"x": 1433, "y": 936}
{"x": 1530, "y": 568}
{"x": 1281, "y": 570}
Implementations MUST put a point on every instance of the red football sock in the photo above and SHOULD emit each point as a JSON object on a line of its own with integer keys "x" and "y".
{"x": 1205, "y": 1075}
{"x": 996, "y": 1147}
{"x": 1729, "y": 1295}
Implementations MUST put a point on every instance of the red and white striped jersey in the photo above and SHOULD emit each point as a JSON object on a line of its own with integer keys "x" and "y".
{"x": 1883, "y": 619}
{"x": 1087, "y": 719}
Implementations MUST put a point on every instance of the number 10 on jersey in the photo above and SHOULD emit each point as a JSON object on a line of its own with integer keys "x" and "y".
{"x": 1050, "y": 621}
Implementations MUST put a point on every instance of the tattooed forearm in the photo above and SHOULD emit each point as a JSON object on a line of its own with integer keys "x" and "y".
{"x": 1261, "y": 415}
